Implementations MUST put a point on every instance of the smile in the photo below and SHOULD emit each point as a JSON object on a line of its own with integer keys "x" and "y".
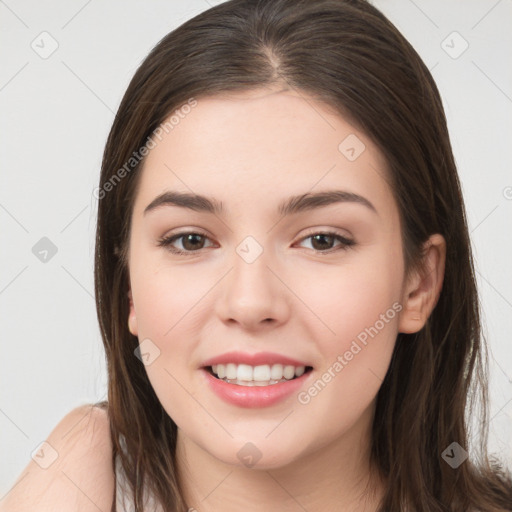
{"x": 256, "y": 393}
{"x": 261, "y": 375}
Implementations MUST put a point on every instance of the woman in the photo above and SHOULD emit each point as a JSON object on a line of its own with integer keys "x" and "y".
{"x": 284, "y": 278}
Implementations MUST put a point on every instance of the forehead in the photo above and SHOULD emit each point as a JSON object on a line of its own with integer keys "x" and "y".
{"x": 261, "y": 145}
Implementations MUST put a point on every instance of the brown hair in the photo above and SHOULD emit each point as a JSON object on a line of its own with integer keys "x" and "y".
{"x": 349, "y": 55}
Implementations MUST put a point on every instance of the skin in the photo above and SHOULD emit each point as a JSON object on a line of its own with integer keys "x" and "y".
{"x": 252, "y": 150}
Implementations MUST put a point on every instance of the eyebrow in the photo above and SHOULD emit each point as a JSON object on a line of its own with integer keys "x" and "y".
{"x": 290, "y": 206}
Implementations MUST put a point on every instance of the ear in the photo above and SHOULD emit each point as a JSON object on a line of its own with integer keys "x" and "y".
{"x": 132, "y": 318}
{"x": 423, "y": 287}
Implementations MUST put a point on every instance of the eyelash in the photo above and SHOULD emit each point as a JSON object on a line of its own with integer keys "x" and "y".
{"x": 166, "y": 242}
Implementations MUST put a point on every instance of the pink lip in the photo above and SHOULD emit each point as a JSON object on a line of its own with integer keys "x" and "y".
{"x": 254, "y": 396}
{"x": 260, "y": 358}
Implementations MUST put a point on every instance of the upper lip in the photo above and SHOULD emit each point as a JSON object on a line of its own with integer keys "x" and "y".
{"x": 259, "y": 358}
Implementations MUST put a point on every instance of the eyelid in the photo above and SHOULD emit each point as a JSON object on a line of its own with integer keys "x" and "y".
{"x": 328, "y": 231}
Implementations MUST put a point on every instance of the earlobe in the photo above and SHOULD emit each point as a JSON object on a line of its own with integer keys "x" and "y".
{"x": 132, "y": 318}
{"x": 424, "y": 287}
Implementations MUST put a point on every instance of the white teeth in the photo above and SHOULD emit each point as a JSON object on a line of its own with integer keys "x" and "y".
{"x": 299, "y": 371}
{"x": 244, "y": 372}
{"x": 257, "y": 374}
{"x": 289, "y": 372}
{"x": 261, "y": 373}
{"x": 231, "y": 371}
{"x": 276, "y": 372}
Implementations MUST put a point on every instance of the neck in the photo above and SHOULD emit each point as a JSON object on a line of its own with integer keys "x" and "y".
{"x": 337, "y": 477}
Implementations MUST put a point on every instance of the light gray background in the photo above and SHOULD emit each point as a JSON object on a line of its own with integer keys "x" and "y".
{"x": 57, "y": 112}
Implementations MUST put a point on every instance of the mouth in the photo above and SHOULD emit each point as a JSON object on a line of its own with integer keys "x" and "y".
{"x": 262, "y": 375}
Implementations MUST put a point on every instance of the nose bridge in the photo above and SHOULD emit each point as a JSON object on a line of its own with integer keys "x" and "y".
{"x": 251, "y": 279}
{"x": 252, "y": 292}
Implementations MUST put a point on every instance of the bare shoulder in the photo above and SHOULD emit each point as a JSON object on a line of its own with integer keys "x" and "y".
{"x": 73, "y": 469}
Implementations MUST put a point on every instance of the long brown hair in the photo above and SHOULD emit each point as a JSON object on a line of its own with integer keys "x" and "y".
{"x": 347, "y": 54}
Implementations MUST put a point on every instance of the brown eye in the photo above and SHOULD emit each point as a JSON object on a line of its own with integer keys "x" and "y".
{"x": 190, "y": 242}
{"x": 323, "y": 242}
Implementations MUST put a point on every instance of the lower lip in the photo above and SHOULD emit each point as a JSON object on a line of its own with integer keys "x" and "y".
{"x": 254, "y": 396}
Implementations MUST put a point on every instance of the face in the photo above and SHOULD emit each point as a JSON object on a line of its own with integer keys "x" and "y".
{"x": 320, "y": 284}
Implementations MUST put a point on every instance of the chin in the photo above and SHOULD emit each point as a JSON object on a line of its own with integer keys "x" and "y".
{"x": 256, "y": 454}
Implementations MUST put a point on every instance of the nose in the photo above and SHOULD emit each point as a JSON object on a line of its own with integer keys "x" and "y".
{"x": 253, "y": 295}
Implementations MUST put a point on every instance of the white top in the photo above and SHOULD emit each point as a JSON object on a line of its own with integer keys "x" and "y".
{"x": 124, "y": 497}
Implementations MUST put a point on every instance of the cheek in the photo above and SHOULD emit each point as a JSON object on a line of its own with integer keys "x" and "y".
{"x": 359, "y": 303}
{"x": 168, "y": 298}
{"x": 164, "y": 310}
{"x": 170, "y": 305}
{"x": 353, "y": 296}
